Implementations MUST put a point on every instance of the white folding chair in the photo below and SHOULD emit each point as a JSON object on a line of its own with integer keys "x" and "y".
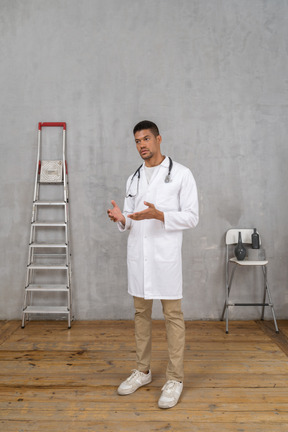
{"x": 232, "y": 263}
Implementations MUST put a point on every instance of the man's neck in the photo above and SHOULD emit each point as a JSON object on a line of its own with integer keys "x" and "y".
{"x": 154, "y": 161}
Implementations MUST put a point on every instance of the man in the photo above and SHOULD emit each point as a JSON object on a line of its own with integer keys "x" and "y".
{"x": 161, "y": 201}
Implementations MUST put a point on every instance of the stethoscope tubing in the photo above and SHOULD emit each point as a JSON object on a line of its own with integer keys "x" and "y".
{"x": 137, "y": 173}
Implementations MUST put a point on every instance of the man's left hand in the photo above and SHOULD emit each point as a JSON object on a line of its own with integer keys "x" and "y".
{"x": 150, "y": 213}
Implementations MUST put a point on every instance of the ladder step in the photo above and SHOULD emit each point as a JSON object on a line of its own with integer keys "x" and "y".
{"x": 48, "y": 224}
{"x": 51, "y": 183}
{"x": 48, "y": 245}
{"x": 49, "y": 203}
{"x": 47, "y": 267}
{"x": 48, "y": 287}
{"x": 50, "y": 256}
{"x": 46, "y": 310}
{"x": 250, "y": 304}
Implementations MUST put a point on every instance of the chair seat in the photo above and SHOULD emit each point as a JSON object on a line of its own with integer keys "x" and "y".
{"x": 247, "y": 262}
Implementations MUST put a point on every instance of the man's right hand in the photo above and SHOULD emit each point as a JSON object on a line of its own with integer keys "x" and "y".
{"x": 115, "y": 214}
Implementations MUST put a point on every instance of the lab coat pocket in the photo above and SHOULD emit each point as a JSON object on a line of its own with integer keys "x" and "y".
{"x": 133, "y": 248}
{"x": 167, "y": 249}
{"x": 167, "y": 197}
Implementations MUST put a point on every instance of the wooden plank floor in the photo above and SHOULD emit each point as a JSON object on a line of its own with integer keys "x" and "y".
{"x": 54, "y": 379}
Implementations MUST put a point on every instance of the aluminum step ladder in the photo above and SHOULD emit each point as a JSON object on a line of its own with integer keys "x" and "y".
{"x": 48, "y": 276}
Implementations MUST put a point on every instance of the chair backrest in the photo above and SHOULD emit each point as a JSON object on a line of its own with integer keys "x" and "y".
{"x": 232, "y": 236}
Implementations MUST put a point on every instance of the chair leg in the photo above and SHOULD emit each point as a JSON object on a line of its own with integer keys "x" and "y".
{"x": 272, "y": 310}
{"x": 265, "y": 293}
{"x": 270, "y": 300}
{"x": 226, "y": 305}
{"x": 227, "y": 319}
{"x": 224, "y": 310}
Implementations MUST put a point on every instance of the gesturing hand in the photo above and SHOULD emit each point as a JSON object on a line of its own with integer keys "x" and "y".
{"x": 115, "y": 214}
{"x": 150, "y": 213}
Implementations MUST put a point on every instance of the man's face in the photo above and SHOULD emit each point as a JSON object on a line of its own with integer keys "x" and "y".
{"x": 147, "y": 144}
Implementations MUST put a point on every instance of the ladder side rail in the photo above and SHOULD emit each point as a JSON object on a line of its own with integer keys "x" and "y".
{"x": 67, "y": 276}
{"x": 36, "y": 195}
{"x": 66, "y": 235}
{"x": 65, "y": 188}
{"x": 67, "y": 231}
{"x": 37, "y": 166}
{"x": 67, "y": 244}
{"x": 33, "y": 229}
{"x": 69, "y": 296}
{"x": 34, "y": 206}
{"x": 64, "y": 165}
{"x": 30, "y": 253}
{"x": 66, "y": 200}
{"x": 29, "y": 276}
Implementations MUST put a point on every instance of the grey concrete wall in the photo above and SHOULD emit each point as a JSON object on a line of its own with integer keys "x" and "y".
{"x": 211, "y": 73}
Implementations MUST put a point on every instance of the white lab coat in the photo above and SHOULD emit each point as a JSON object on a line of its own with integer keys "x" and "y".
{"x": 154, "y": 248}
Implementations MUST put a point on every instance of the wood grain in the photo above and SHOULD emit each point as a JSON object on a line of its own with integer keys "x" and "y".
{"x": 54, "y": 379}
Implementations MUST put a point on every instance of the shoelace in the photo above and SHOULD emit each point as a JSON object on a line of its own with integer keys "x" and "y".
{"x": 169, "y": 385}
{"x": 135, "y": 372}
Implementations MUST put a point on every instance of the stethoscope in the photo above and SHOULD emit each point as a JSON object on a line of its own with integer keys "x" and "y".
{"x": 137, "y": 173}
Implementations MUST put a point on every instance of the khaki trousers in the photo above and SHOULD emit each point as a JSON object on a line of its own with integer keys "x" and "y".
{"x": 175, "y": 330}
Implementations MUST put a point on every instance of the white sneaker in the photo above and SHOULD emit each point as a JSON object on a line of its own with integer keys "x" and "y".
{"x": 170, "y": 394}
{"x": 136, "y": 380}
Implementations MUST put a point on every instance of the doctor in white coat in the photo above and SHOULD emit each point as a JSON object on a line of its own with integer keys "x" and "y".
{"x": 161, "y": 201}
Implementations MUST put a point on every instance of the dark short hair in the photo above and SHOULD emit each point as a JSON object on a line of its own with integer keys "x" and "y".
{"x": 146, "y": 124}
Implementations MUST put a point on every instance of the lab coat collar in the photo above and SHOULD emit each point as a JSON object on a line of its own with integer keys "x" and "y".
{"x": 156, "y": 173}
{"x": 164, "y": 163}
